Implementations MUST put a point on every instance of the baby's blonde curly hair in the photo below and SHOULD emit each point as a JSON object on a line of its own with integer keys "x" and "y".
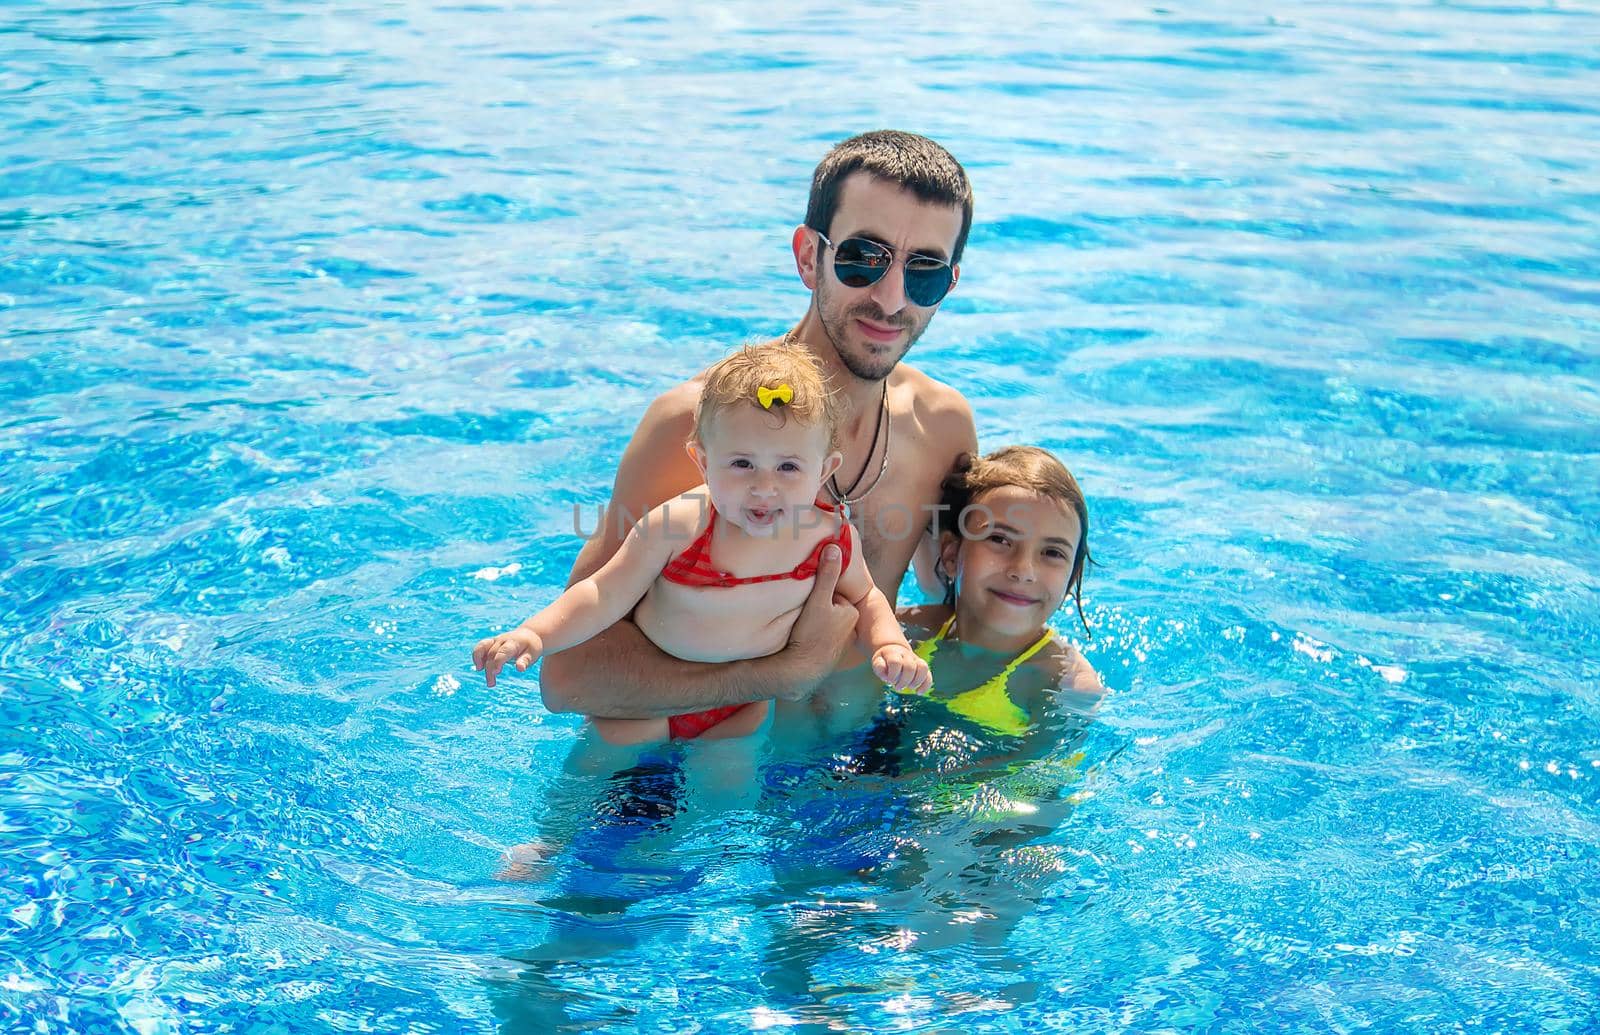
{"x": 735, "y": 380}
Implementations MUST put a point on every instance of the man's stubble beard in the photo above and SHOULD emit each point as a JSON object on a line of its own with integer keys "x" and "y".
{"x": 837, "y": 328}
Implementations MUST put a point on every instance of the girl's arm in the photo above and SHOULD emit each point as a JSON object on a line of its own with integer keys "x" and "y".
{"x": 1079, "y": 677}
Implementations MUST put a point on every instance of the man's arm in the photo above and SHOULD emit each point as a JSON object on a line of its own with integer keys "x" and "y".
{"x": 945, "y": 423}
{"x": 620, "y": 673}
{"x": 951, "y": 424}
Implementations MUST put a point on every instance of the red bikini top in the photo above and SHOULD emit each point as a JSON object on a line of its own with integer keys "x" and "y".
{"x": 693, "y": 567}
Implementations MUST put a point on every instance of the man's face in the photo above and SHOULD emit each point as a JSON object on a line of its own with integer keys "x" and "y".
{"x": 872, "y": 327}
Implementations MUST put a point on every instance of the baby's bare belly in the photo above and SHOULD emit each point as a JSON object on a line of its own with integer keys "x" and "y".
{"x": 698, "y": 623}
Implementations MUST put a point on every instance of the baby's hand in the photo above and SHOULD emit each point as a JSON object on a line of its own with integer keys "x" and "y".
{"x": 520, "y": 644}
{"x": 899, "y": 666}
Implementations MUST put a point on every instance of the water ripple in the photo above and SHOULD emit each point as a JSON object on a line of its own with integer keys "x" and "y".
{"x": 308, "y": 316}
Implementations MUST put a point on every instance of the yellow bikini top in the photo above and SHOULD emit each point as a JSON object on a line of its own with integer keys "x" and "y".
{"x": 988, "y": 704}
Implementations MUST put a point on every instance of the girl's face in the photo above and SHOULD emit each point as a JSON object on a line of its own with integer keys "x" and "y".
{"x": 763, "y": 470}
{"x": 1012, "y": 566}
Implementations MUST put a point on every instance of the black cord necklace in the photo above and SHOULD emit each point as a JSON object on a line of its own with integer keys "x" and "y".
{"x": 845, "y": 498}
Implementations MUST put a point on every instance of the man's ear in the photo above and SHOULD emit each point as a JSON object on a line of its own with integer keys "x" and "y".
{"x": 955, "y": 278}
{"x": 831, "y": 464}
{"x": 805, "y": 244}
{"x": 696, "y": 454}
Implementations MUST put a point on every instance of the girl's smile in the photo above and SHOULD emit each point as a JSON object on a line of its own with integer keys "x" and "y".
{"x": 1011, "y": 566}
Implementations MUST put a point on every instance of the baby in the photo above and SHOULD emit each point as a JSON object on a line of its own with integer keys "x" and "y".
{"x": 764, "y": 434}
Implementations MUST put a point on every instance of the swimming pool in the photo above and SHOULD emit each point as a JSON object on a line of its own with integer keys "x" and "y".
{"x": 315, "y": 325}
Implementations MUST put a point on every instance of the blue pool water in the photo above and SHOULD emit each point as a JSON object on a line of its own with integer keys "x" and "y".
{"x": 316, "y": 321}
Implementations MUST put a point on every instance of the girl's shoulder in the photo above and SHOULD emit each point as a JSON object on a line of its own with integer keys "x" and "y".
{"x": 1067, "y": 669}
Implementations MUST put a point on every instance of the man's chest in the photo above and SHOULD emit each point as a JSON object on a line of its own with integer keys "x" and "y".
{"x": 891, "y": 520}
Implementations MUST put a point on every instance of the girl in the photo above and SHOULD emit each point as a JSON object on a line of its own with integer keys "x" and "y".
{"x": 764, "y": 433}
{"x": 1013, "y": 544}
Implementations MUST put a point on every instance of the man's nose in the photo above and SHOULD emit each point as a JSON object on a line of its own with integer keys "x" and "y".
{"x": 890, "y": 290}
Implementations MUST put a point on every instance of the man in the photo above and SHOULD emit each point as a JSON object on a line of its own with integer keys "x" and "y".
{"x": 885, "y": 226}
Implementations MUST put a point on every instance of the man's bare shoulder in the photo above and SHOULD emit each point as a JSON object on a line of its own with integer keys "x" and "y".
{"x": 934, "y": 401}
{"x": 942, "y": 414}
{"x": 674, "y": 408}
{"x": 654, "y": 466}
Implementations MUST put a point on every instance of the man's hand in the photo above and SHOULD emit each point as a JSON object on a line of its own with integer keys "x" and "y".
{"x": 520, "y": 643}
{"x": 825, "y": 625}
{"x": 898, "y": 666}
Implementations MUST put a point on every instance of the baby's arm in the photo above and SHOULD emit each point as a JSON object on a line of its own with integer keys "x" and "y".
{"x": 589, "y": 605}
{"x": 879, "y": 633}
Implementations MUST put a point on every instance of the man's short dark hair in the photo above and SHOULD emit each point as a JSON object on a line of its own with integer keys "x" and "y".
{"x": 908, "y": 161}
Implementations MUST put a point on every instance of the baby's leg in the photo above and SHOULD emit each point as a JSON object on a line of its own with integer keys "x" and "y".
{"x": 741, "y": 723}
{"x": 525, "y": 862}
{"x": 630, "y": 731}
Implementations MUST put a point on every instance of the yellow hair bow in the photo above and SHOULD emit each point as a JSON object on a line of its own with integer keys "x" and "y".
{"x": 767, "y": 396}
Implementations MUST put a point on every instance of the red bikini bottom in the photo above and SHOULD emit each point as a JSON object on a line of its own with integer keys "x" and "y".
{"x": 687, "y": 727}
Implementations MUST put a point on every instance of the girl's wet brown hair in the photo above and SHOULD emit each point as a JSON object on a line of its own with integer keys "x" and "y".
{"x": 1027, "y": 467}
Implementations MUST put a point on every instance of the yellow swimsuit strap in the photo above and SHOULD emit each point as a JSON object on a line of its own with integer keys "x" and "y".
{"x": 925, "y": 649}
{"x": 988, "y": 704}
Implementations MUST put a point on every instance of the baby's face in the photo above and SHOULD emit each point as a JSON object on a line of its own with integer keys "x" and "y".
{"x": 763, "y": 470}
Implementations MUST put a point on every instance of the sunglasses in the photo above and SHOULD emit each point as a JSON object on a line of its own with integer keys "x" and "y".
{"x": 858, "y": 263}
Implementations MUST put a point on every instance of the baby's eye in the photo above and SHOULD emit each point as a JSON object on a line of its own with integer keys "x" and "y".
{"x": 789, "y": 467}
{"x": 741, "y": 464}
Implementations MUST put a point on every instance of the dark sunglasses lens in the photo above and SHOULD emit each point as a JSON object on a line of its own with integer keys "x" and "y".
{"x": 927, "y": 280}
{"x": 858, "y": 262}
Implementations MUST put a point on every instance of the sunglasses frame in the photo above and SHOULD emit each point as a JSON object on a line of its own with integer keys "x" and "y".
{"x": 907, "y": 272}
